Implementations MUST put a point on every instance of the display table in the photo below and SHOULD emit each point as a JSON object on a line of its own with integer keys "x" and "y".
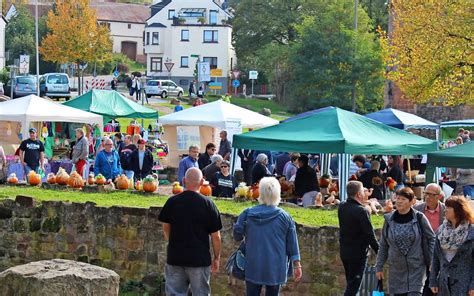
{"x": 66, "y": 164}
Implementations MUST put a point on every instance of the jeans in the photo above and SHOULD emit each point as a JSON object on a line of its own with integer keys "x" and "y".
{"x": 255, "y": 289}
{"x": 179, "y": 278}
{"x": 309, "y": 198}
{"x": 129, "y": 174}
{"x": 354, "y": 270}
{"x": 468, "y": 190}
{"x": 28, "y": 169}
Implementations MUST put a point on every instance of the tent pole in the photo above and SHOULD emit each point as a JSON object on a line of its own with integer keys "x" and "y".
{"x": 232, "y": 160}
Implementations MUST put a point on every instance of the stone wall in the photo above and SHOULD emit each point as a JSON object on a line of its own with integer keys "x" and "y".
{"x": 130, "y": 242}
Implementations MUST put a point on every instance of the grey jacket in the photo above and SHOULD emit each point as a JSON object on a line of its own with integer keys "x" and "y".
{"x": 421, "y": 208}
{"x": 459, "y": 272}
{"x": 406, "y": 273}
{"x": 80, "y": 150}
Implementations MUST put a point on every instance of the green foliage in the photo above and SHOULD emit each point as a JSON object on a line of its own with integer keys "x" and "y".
{"x": 19, "y": 35}
{"x": 4, "y": 76}
{"x": 377, "y": 10}
{"x": 118, "y": 59}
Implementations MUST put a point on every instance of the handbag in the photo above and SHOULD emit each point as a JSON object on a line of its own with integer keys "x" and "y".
{"x": 235, "y": 265}
{"x": 379, "y": 289}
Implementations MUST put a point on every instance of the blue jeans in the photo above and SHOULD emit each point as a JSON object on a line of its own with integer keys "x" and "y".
{"x": 468, "y": 190}
{"x": 179, "y": 278}
{"x": 255, "y": 289}
{"x": 129, "y": 174}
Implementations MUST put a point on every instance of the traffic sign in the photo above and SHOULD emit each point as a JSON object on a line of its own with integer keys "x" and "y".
{"x": 116, "y": 73}
{"x": 169, "y": 66}
{"x": 253, "y": 74}
{"x": 195, "y": 56}
{"x": 215, "y": 85}
{"x": 235, "y": 83}
{"x": 24, "y": 64}
{"x": 204, "y": 71}
{"x": 216, "y": 72}
{"x": 236, "y": 74}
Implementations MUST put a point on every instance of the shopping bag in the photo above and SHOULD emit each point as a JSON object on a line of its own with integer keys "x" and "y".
{"x": 379, "y": 289}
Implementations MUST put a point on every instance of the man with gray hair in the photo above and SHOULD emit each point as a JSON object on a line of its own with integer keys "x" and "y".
{"x": 356, "y": 234}
{"x": 210, "y": 170}
{"x": 189, "y": 218}
{"x": 188, "y": 162}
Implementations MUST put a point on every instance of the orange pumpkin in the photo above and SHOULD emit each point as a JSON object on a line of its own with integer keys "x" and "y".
{"x": 324, "y": 181}
{"x": 205, "y": 189}
{"x": 62, "y": 177}
{"x": 177, "y": 189}
{"x": 75, "y": 180}
{"x": 100, "y": 179}
{"x": 149, "y": 184}
{"x": 12, "y": 179}
{"x": 122, "y": 182}
{"x": 255, "y": 192}
{"x": 138, "y": 186}
{"x": 91, "y": 179}
{"x": 33, "y": 178}
{"x": 51, "y": 179}
{"x": 285, "y": 185}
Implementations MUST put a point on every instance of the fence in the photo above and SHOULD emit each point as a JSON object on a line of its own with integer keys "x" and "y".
{"x": 96, "y": 84}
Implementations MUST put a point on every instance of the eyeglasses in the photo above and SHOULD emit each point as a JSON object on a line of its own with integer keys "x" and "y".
{"x": 431, "y": 193}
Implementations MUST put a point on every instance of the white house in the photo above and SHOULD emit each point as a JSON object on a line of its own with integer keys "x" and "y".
{"x": 183, "y": 31}
{"x": 3, "y": 23}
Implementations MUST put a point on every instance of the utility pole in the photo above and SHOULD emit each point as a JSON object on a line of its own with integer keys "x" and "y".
{"x": 37, "y": 49}
{"x": 353, "y": 74}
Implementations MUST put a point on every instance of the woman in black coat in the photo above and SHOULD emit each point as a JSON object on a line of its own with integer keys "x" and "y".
{"x": 143, "y": 169}
{"x": 259, "y": 169}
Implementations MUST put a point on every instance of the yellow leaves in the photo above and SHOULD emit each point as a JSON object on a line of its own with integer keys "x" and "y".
{"x": 75, "y": 36}
{"x": 429, "y": 51}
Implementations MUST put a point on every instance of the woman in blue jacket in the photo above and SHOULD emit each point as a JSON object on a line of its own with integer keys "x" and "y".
{"x": 107, "y": 161}
{"x": 271, "y": 243}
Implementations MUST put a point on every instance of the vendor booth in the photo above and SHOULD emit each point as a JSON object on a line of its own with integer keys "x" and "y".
{"x": 335, "y": 131}
{"x": 449, "y": 129}
{"x": 401, "y": 120}
{"x": 200, "y": 125}
{"x": 460, "y": 156}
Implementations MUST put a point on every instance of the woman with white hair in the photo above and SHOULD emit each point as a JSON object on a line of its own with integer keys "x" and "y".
{"x": 271, "y": 242}
{"x": 260, "y": 169}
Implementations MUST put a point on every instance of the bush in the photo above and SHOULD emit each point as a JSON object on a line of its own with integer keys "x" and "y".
{"x": 4, "y": 76}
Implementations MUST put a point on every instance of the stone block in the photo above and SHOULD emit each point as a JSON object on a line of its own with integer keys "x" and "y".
{"x": 59, "y": 277}
{"x": 5, "y": 213}
{"x": 25, "y": 201}
{"x": 20, "y": 225}
{"x": 35, "y": 224}
{"x": 52, "y": 224}
{"x": 136, "y": 256}
{"x": 152, "y": 258}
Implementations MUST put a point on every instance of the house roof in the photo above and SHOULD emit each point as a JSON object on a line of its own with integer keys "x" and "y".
{"x": 157, "y": 7}
{"x": 155, "y": 25}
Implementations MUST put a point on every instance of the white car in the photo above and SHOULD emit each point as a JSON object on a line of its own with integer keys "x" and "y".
{"x": 163, "y": 88}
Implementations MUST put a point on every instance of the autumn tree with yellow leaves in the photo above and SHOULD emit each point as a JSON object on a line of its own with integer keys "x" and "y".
{"x": 429, "y": 52}
{"x": 75, "y": 35}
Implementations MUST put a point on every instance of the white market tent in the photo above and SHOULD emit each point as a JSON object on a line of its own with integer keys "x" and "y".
{"x": 30, "y": 109}
{"x": 207, "y": 119}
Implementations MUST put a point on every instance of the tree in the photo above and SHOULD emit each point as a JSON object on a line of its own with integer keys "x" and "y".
{"x": 330, "y": 56}
{"x": 74, "y": 35}
{"x": 19, "y": 34}
{"x": 429, "y": 51}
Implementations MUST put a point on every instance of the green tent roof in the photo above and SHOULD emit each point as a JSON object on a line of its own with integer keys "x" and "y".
{"x": 110, "y": 104}
{"x": 460, "y": 156}
{"x": 335, "y": 131}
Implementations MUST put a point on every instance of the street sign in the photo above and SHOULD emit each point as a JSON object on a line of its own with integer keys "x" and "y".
{"x": 235, "y": 83}
{"x": 83, "y": 66}
{"x": 215, "y": 85}
{"x": 216, "y": 72}
{"x": 195, "y": 56}
{"x": 116, "y": 73}
{"x": 169, "y": 66}
{"x": 236, "y": 74}
{"x": 253, "y": 74}
{"x": 204, "y": 71}
{"x": 24, "y": 64}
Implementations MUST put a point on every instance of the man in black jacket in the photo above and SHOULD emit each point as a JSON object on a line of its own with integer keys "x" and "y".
{"x": 141, "y": 161}
{"x": 356, "y": 234}
{"x": 306, "y": 182}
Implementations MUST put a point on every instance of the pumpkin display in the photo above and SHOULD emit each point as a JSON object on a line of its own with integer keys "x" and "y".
{"x": 284, "y": 184}
{"x": 391, "y": 183}
{"x": 75, "y": 180}
{"x": 100, "y": 179}
{"x": 255, "y": 191}
{"x": 51, "y": 179}
{"x": 34, "y": 179}
{"x": 205, "y": 189}
{"x": 12, "y": 179}
{"x": 62, "y": 177}
{"x": 177, "y": 189}
{"x": 139, "y": 185}
{"x": 122, "y": 182}
{"x": 149, "y": 184}
{"x": 109, "y": 185}
{"x": 242, "y": 190}
{"x": 325, "y": 181}
{"x": 91, "y": 179}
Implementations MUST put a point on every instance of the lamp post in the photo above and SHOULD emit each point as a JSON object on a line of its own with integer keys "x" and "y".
{"x": 37, "y": 49}
{"x": 353, "y": 74}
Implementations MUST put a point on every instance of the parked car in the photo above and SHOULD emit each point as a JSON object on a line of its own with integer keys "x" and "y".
{"x": 55, "y": 86}
{"x": 22, "y": 86}
{"x": 163, "y": 88}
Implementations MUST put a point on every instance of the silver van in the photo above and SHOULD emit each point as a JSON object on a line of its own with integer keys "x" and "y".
{"x": 55, "y": 85}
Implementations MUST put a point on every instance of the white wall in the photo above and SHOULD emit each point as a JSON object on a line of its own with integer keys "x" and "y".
{"x": 2, "y": 43}
{"x": 120, "y": 32}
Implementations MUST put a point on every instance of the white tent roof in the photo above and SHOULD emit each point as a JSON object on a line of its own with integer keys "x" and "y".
{"x": 216, "y": 114}
{"x": 33, "y": 108}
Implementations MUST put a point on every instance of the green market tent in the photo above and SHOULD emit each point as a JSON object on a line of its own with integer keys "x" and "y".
{"x": 460, "y": 156}
{"x": 111, "y": 105}
{"x": 335, "y": 131}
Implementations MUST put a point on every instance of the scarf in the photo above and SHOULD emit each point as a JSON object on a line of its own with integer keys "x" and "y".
{"x": 451, "y": 238}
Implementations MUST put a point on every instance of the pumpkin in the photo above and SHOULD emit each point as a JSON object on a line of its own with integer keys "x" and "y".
{"x": 177, "y": 189}
{"x": 249, "y": 193}
{"x": 51, "y": 179}
{"x": 75, "y": 180}
{"x": 122, "y": 182}
{"x": 12, "y": 179}
{"x": 285, "y": 185}
{"x": 62, "y": 177}
{"x": 109, "y": 185}
{"x": 242, "y": 190}
{"x": 33, "y": 178}
{"x": 149, "y": 184}
{"x": 205, "y": 189}
{"x": 391, "y": 183}
{"x": 100, "y": 179}
{"x": 91, "y": 179}
{"x": 138, "y": 185}
{"x": 255, "y": 192}
{"x": 324, "y": 181}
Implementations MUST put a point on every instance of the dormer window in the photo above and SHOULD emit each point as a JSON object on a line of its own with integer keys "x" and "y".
{"x": 192, "y": 12}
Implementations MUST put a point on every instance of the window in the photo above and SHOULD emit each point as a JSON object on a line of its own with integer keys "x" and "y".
{"x": 210, "y": 36}
{"x": 184, "y": 35}
{"x": 212, "y": 62}
{"x": 156, "y": 64}
{"x": 192, "y": 12}
{"x": 213, "y": 17}
{"x": 184, "y": 82}
{"x": 155, "y": 38}
{"x": 184, "y": 62}
{"x": 147, "y": 38}
{"x": 171, "y": 14}
{"x": 129, "y": 26}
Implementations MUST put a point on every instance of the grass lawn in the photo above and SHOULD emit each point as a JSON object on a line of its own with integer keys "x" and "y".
{"x": 302, "y": 216}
